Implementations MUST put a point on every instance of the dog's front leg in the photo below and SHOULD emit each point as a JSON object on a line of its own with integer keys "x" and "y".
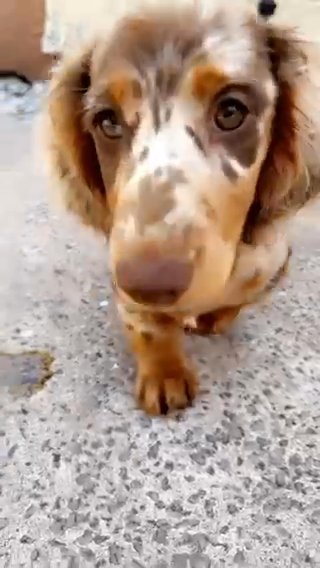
{"x": 165, "y": 379}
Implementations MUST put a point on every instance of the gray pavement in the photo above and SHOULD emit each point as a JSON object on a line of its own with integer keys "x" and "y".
{"x": 85, "y": 478}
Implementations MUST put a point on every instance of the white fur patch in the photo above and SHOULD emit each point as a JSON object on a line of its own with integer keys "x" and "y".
{"x": 190, "y": 322}
{"x": 129, "y": 227}
{"x": 271, "y": 89}
{"x": 238, "y": 168}
{"x": 232, "y": 55}
{"x": 231, "y": 44}
{"x": 188, "y": 209}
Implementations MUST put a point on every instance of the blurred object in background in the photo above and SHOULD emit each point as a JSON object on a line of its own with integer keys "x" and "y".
{"x": 22, "y": 24}
{"x": 68, "y": 21}
{"x": 34, "y": 32}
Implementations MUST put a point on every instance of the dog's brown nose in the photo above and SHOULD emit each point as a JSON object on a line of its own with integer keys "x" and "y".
{"x": 158, "y": 281}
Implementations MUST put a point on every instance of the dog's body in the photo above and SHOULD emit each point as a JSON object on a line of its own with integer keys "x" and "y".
{"x": 187, "y": 140}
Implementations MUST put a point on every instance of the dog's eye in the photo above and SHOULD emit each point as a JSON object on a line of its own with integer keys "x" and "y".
{"x": 230, "y": 113}
{"x": 108, "y": 122}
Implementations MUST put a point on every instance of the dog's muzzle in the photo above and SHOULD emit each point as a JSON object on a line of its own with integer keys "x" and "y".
{"x": 160, "y": 280}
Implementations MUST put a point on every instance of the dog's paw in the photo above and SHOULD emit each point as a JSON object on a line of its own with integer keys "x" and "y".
{"x": 160, "y": 393}
{"x": 212, "y": 323}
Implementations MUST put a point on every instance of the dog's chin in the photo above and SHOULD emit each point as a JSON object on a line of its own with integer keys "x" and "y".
{"x": 191, "y": 306}
{"x": 161, "y": 305}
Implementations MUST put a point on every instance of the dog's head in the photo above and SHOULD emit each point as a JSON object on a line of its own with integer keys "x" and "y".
{"x": 175, "y": 135}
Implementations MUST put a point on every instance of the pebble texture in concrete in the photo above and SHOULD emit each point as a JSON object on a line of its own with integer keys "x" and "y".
{"x": 85, "y": 478}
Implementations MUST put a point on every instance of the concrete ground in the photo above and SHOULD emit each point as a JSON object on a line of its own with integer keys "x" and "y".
{"x": 86, "y": 479}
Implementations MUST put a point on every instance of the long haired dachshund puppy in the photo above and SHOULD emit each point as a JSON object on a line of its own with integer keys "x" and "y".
{"x": 186, "y": 139}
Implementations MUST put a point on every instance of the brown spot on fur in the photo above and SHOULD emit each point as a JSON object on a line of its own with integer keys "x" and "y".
{"x": 206, "y": 81}
{"x": 176, "y": 175}
{"x": 155, "y": 201}
{"x": 155, "y": 109}
{"x": 172, "y": 174}
{"x": 167, "y": 80}
{"x": 199, "y": 253}
{"x": 120, "y": 90}
{"x": 164, "y": 320}
{"x": 196, "y": 138}
{"x": 167, "y": 114}
{"x": 147, "y": 336}
{"x": 158, "y": 172}
{"x": 144, "y": 154}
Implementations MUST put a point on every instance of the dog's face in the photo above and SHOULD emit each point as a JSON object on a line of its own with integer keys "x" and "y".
{"x": 183, "y": 120}
{"x": 169, "y": 124}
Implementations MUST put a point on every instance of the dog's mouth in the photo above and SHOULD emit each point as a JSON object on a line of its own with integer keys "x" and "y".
{"x": 162, "y": 303}
{"x": 153, "y": 298}
{"x": 156, "y": 300}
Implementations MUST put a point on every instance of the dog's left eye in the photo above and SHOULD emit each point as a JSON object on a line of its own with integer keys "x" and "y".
{"x": 108, "y": 122}
{"x": 230, "y": 113}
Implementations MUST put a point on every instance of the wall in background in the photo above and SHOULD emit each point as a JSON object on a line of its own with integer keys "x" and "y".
{"x": 67, "y": 21}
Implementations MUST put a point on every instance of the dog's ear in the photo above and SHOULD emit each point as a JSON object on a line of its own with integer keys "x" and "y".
{"x": 72, "y": 154}
{"x": 290, "y": 174}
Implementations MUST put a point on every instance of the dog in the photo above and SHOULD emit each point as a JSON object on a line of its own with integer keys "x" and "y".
{"x": 188, "y": 140}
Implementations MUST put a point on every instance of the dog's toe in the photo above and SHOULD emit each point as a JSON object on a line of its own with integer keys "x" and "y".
{"x": 160, "y": 394}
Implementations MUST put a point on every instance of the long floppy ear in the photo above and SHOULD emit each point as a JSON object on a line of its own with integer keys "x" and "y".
{"x": 290, "y": 175}
{"x": 72, "y": 155}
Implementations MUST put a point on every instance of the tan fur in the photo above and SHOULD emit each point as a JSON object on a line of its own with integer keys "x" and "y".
{"x": 242, "y": 218}
{"x": 165, "y": 380}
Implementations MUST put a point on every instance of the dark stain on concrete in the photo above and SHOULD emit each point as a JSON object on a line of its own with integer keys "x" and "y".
{"x": 29, "y": 369}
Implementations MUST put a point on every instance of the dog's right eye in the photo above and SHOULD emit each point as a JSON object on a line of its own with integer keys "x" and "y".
{"x": 108, "y": 122}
